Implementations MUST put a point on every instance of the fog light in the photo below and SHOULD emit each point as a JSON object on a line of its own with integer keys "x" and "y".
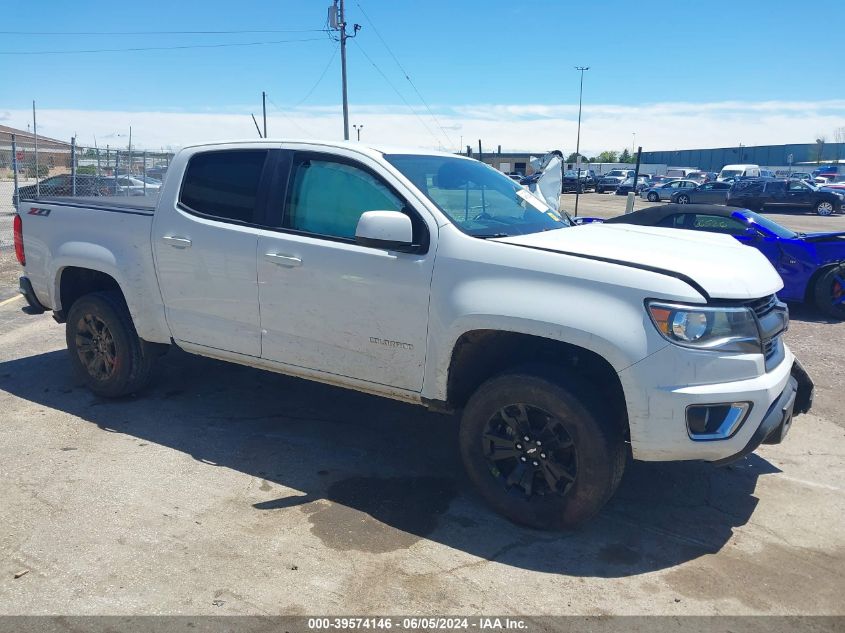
{"x": 716, "y": 421}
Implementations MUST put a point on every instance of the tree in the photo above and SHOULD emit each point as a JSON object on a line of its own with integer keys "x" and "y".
{"x": 625, "y": 157}
{"x": 839, "y": 137}
{"x": 607, "y": 156}
{"x": 820, "y": 141}
{"x": 573, "y": 158}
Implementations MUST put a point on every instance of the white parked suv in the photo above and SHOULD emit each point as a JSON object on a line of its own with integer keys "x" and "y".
{"x": 433, "y": 279}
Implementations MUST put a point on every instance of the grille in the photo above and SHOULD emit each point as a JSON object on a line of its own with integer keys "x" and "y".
{"x": 763, "y": 306}
{"x": 771, "y": 325}
{"x": 770, "y": 348}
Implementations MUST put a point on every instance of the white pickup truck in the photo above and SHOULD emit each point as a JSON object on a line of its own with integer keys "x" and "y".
{"x": 433, "y": 279}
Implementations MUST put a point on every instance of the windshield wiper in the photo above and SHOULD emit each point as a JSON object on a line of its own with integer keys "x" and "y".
{"x": 487, "y": 236}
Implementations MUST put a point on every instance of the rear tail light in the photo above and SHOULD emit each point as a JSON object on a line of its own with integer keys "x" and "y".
{"x": 18, "y": 232}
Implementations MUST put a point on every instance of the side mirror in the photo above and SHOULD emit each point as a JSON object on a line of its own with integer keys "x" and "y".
{"x": 391, "y": 230}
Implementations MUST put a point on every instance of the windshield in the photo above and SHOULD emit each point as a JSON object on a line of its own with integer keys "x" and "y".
{"x": 766, "y": 223}
{"x": 617, "y": 172}
{"x": 730, "y": 173}
{"x": 480, "y": 200}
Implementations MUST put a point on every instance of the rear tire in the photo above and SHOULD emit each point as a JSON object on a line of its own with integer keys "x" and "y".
{"x": 599, "y": 190}
{"x": 105, "y": 348}
{"x": 569, "y": 467}
{"x": 683, "y": 199}
{"x": 829, "y": 292}
{"x": 652, "y": 197}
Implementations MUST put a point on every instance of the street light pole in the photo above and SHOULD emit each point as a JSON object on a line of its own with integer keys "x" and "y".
{"x": 358, "y": 129}
{"x": 634, "y": 143}
{"x": 581, "y": 69}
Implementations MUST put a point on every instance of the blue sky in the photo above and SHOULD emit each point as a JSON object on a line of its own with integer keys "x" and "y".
{"x": 471, "y": 61}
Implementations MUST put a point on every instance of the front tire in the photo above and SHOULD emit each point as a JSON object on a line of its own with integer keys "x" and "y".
{"x": 683, "y": 199}
{"x": 829, "y": 292}
{"x": 824, "y": 208}
{"x": 105, "y": 348}
{"x": 599, "y": 189}
{"x": 568, "y": 467}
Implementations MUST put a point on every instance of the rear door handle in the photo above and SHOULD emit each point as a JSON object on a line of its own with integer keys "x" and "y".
{"x": 176, "y": 241}
{"x": 287, "y": 261}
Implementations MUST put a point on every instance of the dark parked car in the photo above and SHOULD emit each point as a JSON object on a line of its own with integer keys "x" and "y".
{"x": 158, "y": 172}
{"x": 62, "y": 185}
{"x": 812, "y": 265}
{"x": 707, "y": 193}
{"x": 612, "y": 179}
{"x": 627, "y": 185}
{"x": 758, "y": 193}
{"x": 571, "y": 179}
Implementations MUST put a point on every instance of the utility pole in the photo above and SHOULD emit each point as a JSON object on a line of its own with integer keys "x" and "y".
{"x": 337, "y": 22}
{"x": 581, "y": 69}
{"x": 343, "y": 71}
{"x": 35, "y": 137}
{"x": 264, "y": 109}
{"x": 358, "y": 129}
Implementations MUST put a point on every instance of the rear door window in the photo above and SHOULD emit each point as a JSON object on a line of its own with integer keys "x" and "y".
{"x": 224, "y": 184}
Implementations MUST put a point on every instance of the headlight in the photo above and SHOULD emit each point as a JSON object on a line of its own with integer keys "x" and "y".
{"x": 724, "y": 329}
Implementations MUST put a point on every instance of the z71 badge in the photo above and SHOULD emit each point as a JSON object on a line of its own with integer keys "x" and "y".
{"x": 37, "y": 211}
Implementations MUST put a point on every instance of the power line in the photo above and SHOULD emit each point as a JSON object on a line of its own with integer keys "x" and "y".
{"x": 230, "y": 32}
{"x": 282, "y": 112}
{"x": 319, "y": 79}
{"x": 405, "y": 73}
{"x": 160, "y": 48}
{"x": 399, "y": 94}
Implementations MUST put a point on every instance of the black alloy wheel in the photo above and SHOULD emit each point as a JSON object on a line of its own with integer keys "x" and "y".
{"x": 95, "y": 347}
{"x": 529, "y": 451}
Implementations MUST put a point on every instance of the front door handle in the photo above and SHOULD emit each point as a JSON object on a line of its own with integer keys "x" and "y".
{"x": 284, "y": 260}
{"x": 176, "y": 241}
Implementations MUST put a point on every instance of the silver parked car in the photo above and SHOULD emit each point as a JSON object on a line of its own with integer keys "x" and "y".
{"x": 665, "y": 191}
{"x": 707, "y": 193}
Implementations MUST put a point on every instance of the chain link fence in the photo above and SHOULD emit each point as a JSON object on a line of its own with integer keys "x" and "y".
{"x": 38, "y": 167}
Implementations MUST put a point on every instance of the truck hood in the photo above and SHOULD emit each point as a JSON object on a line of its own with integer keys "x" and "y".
{"x": 717, "y": 264}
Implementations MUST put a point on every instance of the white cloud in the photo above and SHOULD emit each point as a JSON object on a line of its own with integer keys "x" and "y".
{"x": 659, "y": 126}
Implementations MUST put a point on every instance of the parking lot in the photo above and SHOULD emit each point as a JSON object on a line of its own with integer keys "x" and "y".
{"x": 226, "y": 490}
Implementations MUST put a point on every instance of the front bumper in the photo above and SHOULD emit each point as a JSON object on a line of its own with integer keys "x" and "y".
{"x": 796, "y": 398}
{"x": 661, "y": 387}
